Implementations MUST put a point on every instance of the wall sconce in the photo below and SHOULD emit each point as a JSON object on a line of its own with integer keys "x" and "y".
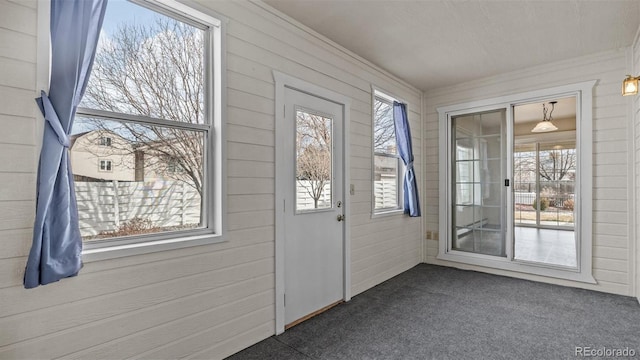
{"x": 630, "y": 85}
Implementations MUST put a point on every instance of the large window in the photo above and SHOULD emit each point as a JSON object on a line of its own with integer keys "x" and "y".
{"x": 387, "y": 164}
{"x": 145, "y": 147}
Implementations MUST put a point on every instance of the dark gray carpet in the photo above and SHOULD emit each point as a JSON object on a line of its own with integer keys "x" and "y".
{"x": 433, "y": 312}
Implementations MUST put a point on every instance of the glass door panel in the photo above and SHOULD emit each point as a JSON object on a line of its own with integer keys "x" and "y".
{"x": 477, "y": 173}
{"x": 544, "y": 176}
{"x": 524, "y": 184}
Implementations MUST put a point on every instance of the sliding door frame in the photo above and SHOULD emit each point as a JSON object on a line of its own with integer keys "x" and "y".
{"x": 583, "y": 92}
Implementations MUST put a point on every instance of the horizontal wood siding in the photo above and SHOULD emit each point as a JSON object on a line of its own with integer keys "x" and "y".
{"x": 612, "y": 241}
{"x": 17, "y": 141}
{"x": 207, "y": 301}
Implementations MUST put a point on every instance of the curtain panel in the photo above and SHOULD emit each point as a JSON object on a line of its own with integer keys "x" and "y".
{"x": 57, "y": 244}
{"x": 405, "y": 149}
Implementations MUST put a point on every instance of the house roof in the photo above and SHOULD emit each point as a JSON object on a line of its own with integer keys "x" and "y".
{"x": 436, "y": 43}
{"x": 101, "y": 132}
{"x": 74, "y": 137}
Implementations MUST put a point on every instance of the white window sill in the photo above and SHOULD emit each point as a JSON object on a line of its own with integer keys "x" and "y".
{"x": 386, "y": 213}
{"x": 94, "y": 253}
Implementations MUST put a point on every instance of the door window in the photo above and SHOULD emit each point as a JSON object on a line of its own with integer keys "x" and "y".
{"x": 313, "y": 161}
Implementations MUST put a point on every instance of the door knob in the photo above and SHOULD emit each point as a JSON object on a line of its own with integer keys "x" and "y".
{"x": 341, "y": 217}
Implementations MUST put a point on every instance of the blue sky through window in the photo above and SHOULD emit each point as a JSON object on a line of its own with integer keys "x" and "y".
{"x": 123, "y": 11}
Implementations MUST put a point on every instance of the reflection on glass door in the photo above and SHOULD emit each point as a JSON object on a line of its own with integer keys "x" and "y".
{"x": 477, "y": 173}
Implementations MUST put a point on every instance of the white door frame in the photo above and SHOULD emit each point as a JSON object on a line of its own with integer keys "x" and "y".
{"x": 283, "y": 81}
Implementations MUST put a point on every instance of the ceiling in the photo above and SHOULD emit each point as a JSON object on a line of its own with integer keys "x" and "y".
{"x": 565, "y": 108}
{"x": 435, "y": 43}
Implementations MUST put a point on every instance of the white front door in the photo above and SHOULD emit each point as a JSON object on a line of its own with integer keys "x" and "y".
{"x": 313, "y": 204}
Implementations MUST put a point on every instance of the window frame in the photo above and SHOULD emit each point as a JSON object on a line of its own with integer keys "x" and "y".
{"x": 215, "y": 150}
{"x": 298, "y": 211}
{"x": 380, "y": 95}
{"x": 106, "y": 141}
{"x": 108, "y": 165}
{"x": 470, "y": 162}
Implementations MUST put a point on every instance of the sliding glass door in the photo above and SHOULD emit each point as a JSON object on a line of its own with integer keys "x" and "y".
{"x": 512, "y": 190}
{"x": 515, "y": 182}
{"x": 478, "y": 153}
{"x": 545, "y": 166}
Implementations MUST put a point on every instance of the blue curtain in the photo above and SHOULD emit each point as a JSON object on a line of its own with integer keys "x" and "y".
{"x": 403, "y": 138}
{"x": 57, "y": 244}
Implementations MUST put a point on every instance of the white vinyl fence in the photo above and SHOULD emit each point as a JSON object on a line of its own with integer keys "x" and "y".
{"x": 105, "y": 206}
{"x": 304, "y": 200}
{"x": 385, "y": 195}
{"x": 385, "y": 192}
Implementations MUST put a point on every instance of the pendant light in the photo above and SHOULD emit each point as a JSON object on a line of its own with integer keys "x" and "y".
{"x": 546, "y": 125}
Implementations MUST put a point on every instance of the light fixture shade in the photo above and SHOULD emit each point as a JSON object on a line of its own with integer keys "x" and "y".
{"x": 544, "y": 126}
{"x": 630, "y": 86}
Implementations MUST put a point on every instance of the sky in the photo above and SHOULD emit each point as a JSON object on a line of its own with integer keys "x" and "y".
{"x": 119, "y": 11}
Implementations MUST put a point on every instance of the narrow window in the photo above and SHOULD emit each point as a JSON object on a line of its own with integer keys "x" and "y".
{"x": 387, "y": 164}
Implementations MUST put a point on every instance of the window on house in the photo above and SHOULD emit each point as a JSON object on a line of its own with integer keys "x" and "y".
{"x": 387, "y": 164}
{"x": 155, "y": 89}
{"x": 105, "y": 165}
{"x": 105, "y": 141}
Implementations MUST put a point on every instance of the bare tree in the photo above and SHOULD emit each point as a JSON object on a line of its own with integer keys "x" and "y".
{"x": 384, "y": 133}
{"x": 154, "y": 70}
{"x": 313, "y": 149}
{"x": 557, "y": 164}
{"x": 554, "y": 165}
{"x": 524, "y": 170}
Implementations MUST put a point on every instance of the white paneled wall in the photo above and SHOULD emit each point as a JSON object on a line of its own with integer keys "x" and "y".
{"x": 17, "y": 141}
{"x": 208, "y": 301}
{"x": 613, "y": 261}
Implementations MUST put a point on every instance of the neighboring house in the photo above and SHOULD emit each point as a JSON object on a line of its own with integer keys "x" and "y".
{"x": 102, "y": 155}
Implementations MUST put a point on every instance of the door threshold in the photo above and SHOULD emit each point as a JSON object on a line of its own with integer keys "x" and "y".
{"x": 307, "y": 317}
